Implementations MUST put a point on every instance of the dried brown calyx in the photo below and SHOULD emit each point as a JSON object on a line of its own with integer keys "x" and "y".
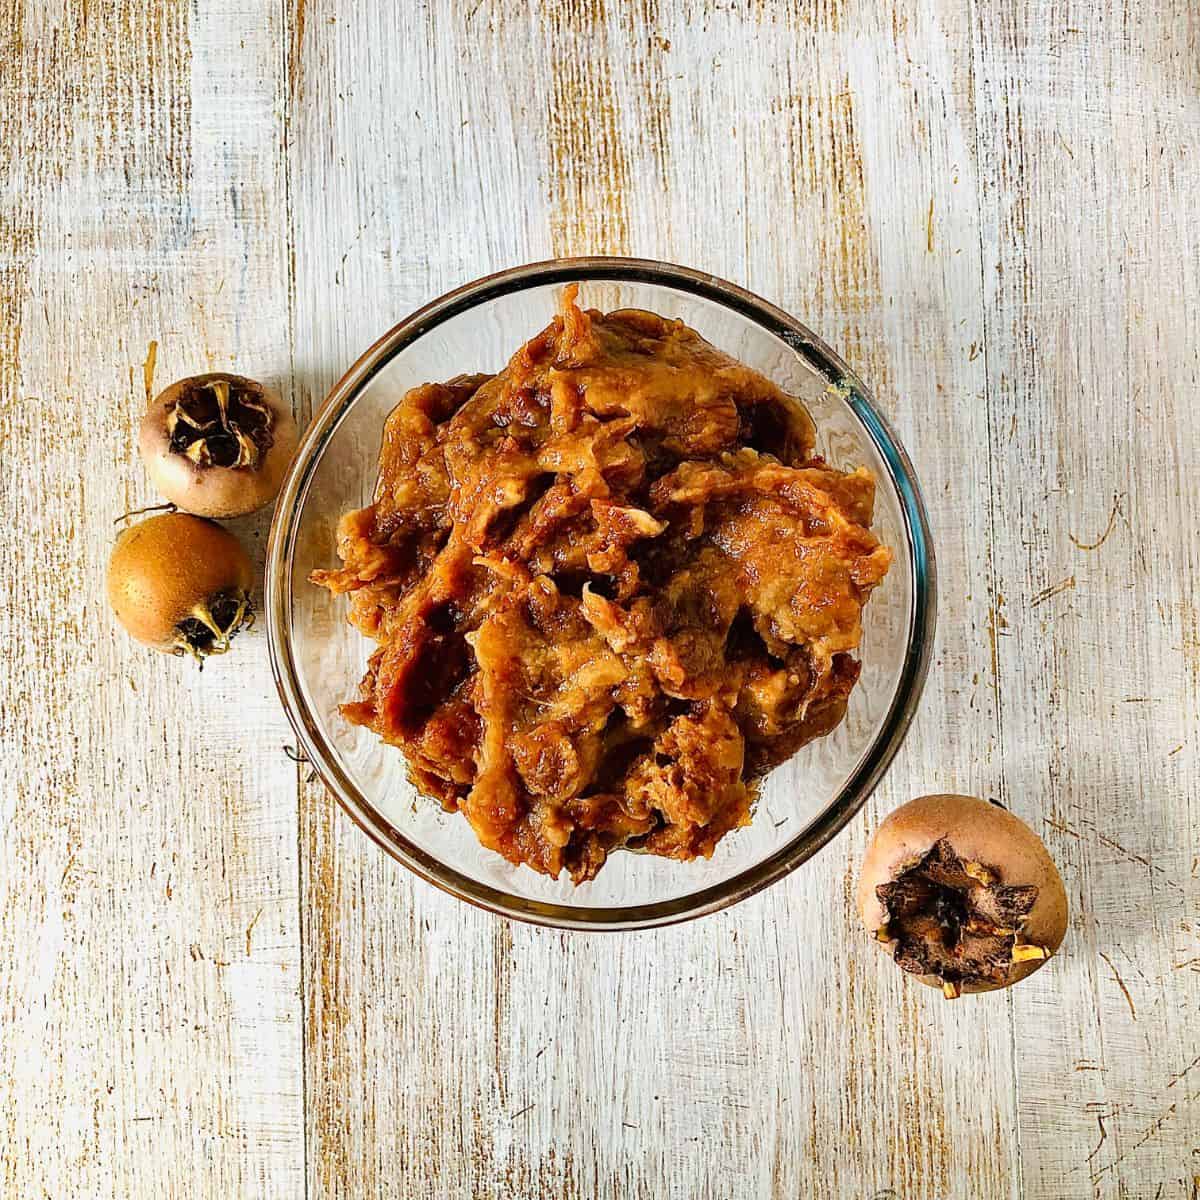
{"x": 220, "y": 423}
{"x": 954, "y": 919}
{"x": 211, "y": 626}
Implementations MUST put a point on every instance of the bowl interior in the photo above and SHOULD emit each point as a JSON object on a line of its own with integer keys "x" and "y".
{"x": 323, "y": 658}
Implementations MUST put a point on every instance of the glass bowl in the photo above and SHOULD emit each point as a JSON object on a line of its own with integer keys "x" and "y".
{"x": 318, "y": 659}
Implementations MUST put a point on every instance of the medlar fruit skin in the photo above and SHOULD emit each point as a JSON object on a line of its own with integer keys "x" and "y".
{"x": 162, "y": 568}
{"x": 979, "y": 832}
{"x": 208, "y": 490}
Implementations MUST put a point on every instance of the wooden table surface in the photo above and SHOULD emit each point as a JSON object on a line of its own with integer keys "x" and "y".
{"x": 212, "y": 984}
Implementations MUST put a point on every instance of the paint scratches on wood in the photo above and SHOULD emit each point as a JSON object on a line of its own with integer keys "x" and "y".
{"x": 820, "y": 15}
{"x": 794, "y": 148}
{"x": 17, "y": 229}
{"x": 296, "y": 45}
{"x": 334, "y": 1116}
{"x": 829, "y": 192}
{"x": 828, "y": 207}
{"x": 144, "y": 1050}
{"x": 589, "y": 162}
{"x": 650, "y": 103}
{"x": 1083, "y": 322}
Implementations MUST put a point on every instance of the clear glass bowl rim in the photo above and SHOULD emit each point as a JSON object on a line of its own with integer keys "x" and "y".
{"x": 282, "y": 543}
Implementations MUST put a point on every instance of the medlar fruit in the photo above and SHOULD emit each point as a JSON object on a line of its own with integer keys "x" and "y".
{"x": 180, "y": 584}
{"x": 962, "y": 894}
{"x": 217, "y": 445}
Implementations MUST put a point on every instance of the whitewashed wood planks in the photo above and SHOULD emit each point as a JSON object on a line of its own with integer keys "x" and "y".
{"x": 150, "y": 1034}
{"x": 763, "y": 1051}
{"x": 990, "y": 210}
{"x": 1089, "y": 144}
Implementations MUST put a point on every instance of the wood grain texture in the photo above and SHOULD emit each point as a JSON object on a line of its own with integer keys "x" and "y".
{"x": 216, "y": 987}
{"x": 149, "y": 1000}
{"x": 1090, "y": 232}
